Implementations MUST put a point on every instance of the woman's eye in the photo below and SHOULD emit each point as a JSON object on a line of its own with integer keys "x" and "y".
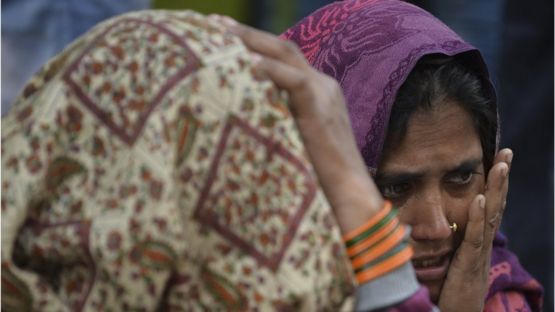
{"x": 394, "y": 191}
{"x": 461, "y": 178}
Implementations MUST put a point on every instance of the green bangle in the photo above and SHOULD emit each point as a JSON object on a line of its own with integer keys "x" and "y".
{"x": 376, "y": 243}
{"x": 362, "y": 236}
{"x": 383, "y": 257}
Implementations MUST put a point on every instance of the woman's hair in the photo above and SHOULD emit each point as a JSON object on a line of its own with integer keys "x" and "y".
{"x": 436, "y": 80}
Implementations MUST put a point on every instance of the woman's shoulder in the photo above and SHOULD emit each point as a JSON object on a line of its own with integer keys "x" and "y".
{"x": 510, "y": 286}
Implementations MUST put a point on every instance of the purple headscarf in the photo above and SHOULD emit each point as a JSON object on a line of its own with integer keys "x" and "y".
{"x": 370, "y": 47}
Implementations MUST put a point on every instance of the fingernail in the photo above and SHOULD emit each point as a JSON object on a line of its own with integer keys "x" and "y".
{"x": 482, "y": 202}
{"x": 256, "y": 58}
{"x": 504, "y": 171}
{"x": 509, "y": 158}
{"x": 215, "y": 17}
{"x": 226, "y": 20}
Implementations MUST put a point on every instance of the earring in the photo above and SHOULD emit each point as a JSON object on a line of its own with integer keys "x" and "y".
{"x": 454, "y": 227}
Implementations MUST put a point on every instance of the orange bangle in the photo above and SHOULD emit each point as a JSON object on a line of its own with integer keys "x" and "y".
{"x": 380, "y": 234}
{"x": 380, "y": 249}
{"x": 373, "y": 220}
{"x": 385, "y": 267}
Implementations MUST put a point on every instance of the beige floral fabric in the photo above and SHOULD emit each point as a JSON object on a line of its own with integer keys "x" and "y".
{"x": 147, "y": 168}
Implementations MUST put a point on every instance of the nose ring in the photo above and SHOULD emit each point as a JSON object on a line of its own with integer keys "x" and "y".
{"x": 454, "y": 227}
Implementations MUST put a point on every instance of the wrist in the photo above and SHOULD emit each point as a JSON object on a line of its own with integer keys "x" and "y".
{"x": 354, "y": 201}
{"x": 378, "y": 246}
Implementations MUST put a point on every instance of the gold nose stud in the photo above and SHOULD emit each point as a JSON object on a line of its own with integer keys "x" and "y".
{"x": 454, "y": 227}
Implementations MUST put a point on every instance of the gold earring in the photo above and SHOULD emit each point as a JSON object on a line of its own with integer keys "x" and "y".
{"x": 454, "y": 227}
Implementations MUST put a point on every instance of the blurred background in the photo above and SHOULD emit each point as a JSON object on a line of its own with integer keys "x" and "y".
{"x": 515, "y": 37}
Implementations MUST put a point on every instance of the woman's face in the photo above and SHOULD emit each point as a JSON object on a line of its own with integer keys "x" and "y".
{"x": 432, "y": 175}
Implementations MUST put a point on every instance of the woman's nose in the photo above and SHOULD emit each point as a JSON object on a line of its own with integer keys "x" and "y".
{"x": 427, "y": 217}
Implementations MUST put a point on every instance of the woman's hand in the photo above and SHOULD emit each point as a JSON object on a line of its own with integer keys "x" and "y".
{"x": 318, "y": 106}
{"x": 467, "y": 280}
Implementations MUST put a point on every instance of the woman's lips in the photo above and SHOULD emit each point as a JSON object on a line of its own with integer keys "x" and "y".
{"x": 431, "y": 268}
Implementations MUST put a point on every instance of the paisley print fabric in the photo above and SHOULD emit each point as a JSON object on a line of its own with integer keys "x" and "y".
{"x": 147, "y": 168}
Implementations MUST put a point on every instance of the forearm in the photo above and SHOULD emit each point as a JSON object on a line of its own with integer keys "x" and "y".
{"x": 359, "y": 200}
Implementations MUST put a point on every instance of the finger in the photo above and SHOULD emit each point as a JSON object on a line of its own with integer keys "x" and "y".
{"x": 296, "y": 82}
{"x": 283, "y": 75}
{"x": 496, "y": 194}
{"x": 504, "y": 155}
{"x": 472, "y": 245}
{"x": 467, "y": 273}
{"x": 269, "y": 45}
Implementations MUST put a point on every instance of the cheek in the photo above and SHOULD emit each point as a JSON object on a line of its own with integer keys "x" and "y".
{"x": 457, "y": 212}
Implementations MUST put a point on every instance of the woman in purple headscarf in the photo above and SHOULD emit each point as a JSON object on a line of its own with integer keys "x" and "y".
{"x": 424, "y": 116}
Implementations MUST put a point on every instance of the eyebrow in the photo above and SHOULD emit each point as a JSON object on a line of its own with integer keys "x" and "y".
{"x": 467, "y": 165}
{"x": 400, "y": 177}
{"x": 397, "y": 178}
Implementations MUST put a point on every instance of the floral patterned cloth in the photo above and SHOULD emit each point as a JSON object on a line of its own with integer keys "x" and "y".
{"x": 146, "y": 167}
